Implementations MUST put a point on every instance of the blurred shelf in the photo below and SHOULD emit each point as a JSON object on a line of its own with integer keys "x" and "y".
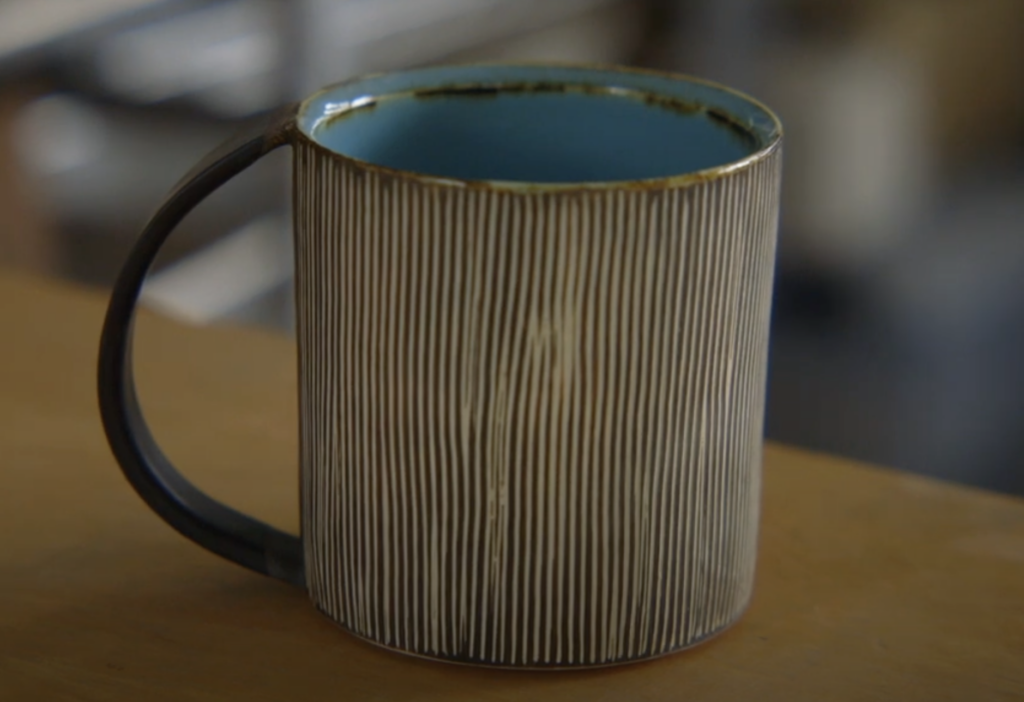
{"x": 29, "y": 28}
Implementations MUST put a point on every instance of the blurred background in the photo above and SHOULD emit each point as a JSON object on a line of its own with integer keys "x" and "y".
{"x": 899, "y": 316}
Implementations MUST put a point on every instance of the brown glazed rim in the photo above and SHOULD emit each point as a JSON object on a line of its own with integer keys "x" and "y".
{"x": 657, "y": 183}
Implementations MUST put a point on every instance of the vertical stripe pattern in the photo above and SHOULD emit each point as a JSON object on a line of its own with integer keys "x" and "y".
{"x": 531, "y": 421}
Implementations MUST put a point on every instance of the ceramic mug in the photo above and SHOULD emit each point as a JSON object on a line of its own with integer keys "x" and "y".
{"x": 533, "y": 308}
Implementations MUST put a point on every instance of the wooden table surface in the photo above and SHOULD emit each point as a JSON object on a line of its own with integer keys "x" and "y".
{"x": 871, "y": 585}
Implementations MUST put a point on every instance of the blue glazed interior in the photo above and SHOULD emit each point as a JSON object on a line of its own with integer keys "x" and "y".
{"x": 538, "y": 124}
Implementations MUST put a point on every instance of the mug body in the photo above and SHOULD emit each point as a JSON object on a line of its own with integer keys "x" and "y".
{"x": 533, "y": 313}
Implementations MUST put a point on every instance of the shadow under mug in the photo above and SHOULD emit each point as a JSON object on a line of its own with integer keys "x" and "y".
{"x": 533, "y": 309}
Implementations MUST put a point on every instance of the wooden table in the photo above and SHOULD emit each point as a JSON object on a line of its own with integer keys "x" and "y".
{"x": 872, "y": 584}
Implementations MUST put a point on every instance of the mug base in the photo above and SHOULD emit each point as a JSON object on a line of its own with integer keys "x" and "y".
{"x": 554, "y": 667}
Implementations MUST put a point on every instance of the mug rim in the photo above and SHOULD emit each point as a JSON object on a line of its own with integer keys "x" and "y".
{"x": 771, "y": 142}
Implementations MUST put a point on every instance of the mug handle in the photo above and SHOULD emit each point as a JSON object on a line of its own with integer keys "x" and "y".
{"x": 209, "y": 523}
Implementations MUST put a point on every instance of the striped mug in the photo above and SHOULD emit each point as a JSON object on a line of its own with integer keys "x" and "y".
{"x": 532, "y": 316}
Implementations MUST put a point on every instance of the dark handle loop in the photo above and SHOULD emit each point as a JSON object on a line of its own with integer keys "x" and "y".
{"x": 210, "y": 524}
